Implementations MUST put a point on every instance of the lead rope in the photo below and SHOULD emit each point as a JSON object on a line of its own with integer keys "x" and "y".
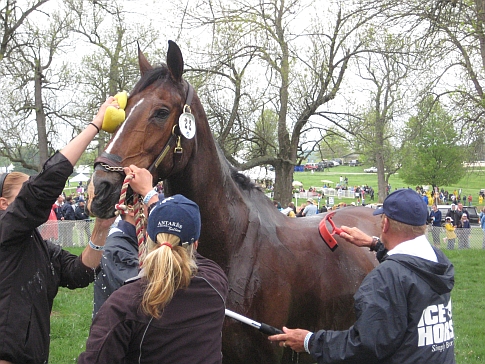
{"x": 140, "y": 220}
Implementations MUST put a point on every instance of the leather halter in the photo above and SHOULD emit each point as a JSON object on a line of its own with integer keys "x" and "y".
{"x": 112, "y": 162}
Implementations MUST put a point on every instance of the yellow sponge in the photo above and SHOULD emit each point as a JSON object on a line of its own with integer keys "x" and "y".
{"x": 114, "y": 117}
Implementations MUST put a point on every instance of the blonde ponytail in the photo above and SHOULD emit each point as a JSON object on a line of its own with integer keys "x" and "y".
{"x": 167, "y": 269}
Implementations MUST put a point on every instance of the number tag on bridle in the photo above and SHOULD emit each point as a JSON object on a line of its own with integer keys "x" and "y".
{"x": 187, "y": 123}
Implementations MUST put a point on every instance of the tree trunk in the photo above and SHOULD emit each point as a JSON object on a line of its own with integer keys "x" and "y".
{"x": 283, "y": 183}
{"x": 381, "y": 178}
{"x": 40, "y": 116}
{"x": 480, "y": 9}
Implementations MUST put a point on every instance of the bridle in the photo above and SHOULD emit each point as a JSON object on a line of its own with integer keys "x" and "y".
{"x": 112, "y": 162}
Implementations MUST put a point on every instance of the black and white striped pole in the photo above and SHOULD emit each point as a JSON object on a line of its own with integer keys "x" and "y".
{"x": 264, "y": 328}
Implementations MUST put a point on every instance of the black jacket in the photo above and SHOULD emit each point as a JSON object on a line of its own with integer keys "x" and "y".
{"x": 189, "y": 330}
{"x": 68, "y": 211}
{"x": 455, "y": 215}
{"x": 32, "y": 269}
{"x": 80, "y": 213}
{"x": 403, "y": 310}
{"x": 119, "y": 263}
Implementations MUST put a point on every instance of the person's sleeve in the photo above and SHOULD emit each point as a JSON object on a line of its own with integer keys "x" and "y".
{"x": 109, "y": 336}
{"x": 73, "y": 273}
{"x": 381, "y": 251}
{"x": 120, "y": 263}
{"x": 381, "y": 324}
{"x": 31, "y": 208}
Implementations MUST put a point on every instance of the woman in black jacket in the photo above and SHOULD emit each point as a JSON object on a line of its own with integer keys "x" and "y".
{"x": 31, "y": 268}
{"x": 173, "y": 311}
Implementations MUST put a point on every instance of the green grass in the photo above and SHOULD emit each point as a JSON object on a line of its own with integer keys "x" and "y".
{"x": 468, "y": 305}
{"x": 470, "y": 184}
{"x": 70, "y": 322}
{"x": 71, "y": 314}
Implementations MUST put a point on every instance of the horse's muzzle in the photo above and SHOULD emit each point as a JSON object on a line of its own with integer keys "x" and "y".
{"x": 103, "y": 194}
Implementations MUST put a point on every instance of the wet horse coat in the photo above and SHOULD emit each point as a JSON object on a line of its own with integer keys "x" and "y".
{"x": 280, "y": 271}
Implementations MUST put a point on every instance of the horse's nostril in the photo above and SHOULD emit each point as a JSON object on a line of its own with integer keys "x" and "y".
{"x": 104, "y": 194}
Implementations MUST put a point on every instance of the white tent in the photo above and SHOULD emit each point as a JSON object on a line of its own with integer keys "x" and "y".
{"x": 79, "y": 178}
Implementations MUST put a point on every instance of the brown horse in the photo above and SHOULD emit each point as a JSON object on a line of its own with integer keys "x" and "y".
{"x": 280, "y": 271}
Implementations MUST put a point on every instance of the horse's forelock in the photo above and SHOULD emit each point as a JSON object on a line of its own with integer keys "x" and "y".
{"x": 149, "y": 77}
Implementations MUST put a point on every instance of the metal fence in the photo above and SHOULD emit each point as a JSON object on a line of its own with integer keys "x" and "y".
{"x": 68, "y": 233}
{"x": 77, "y": 233}
{"x": 473, "y": 238}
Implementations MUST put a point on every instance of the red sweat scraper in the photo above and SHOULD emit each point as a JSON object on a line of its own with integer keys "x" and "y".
{"x": 325, "y": 234}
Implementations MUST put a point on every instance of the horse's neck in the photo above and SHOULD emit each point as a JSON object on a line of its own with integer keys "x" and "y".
{"x": 207, "y": 181}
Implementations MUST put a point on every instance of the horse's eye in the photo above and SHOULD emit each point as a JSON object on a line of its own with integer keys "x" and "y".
{"x": 161, "y": 114}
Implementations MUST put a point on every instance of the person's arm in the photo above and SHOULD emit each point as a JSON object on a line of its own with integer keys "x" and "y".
{"x": 377, "y": 333}
{"x": 141, "y": 183}
{"x": 359, "y": 238}
{"x": 120, "y": 262}
{"x": 91, "y": 257}
{"x": 356, "y": 236}
{"x": 76, "y": 147}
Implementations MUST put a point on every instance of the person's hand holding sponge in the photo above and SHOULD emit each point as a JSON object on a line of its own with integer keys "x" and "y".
{"x": 115, "y": 116}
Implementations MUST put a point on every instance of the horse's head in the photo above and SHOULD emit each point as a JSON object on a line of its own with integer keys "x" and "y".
{"x": 158, "y": 133}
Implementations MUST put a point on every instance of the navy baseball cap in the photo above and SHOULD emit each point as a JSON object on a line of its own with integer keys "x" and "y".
{"x": 176, "y": 215}
{"x": 406, "y": 206}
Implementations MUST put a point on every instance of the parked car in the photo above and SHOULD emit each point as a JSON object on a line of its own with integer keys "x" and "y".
{"x": 335, "y": 163}
{"x": 311, "y": 166}
{"x": 321, "y": 166}
{"x": 371, "y": 170}
{"x": 472, "y": 214}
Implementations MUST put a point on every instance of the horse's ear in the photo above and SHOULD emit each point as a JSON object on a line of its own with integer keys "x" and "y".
{"x": 143, "y": 62}
{"x": 175, "y": 61}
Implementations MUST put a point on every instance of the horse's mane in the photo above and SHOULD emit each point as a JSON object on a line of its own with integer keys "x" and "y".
{"x": 243, "y": 181}
{"x": 149, "y": 77}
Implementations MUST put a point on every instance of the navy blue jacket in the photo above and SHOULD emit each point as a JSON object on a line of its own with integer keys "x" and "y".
{"x": 119, "y": 262}
{"x": 403, "y": 310}
{"x": 437, "y": 217}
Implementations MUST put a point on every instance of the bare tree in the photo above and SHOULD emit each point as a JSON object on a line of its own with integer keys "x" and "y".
{"x": 12, "y": 17}
{"x": 452, "y": 34}
{"x": 388, "y": 71}
{"x": 282, "y": 66}
{"x": 112, "y": 65}
{"x": 36, "y": 81}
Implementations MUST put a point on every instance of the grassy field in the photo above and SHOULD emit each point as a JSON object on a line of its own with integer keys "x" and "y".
{"x": 71, "y": 314}
{"x": 473, "y": 181}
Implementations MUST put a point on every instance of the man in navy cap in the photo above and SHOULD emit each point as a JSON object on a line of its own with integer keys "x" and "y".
{"x": 403, "y": 307}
